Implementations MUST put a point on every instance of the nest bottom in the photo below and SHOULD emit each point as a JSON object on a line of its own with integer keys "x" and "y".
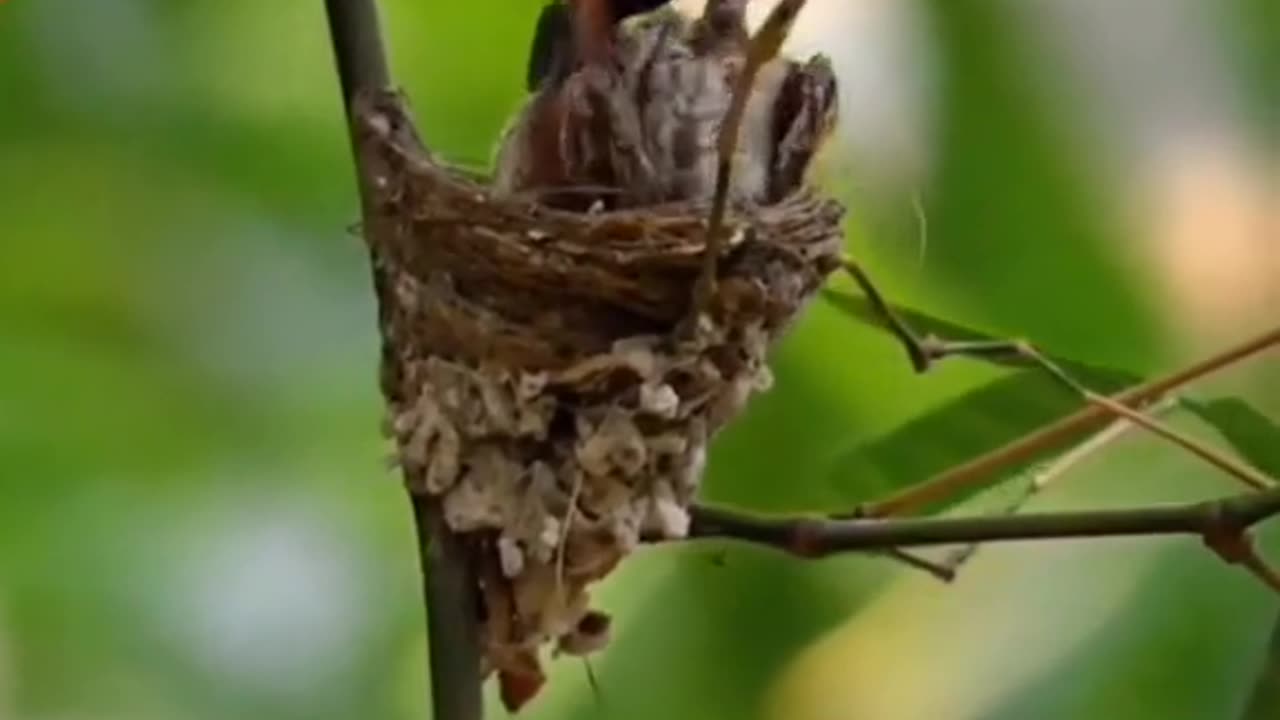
{"x": 537, "y": 387}
{"x": 554, "y": 482}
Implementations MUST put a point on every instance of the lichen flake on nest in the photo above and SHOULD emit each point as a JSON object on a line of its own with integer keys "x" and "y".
{"x": 536, "y": 384}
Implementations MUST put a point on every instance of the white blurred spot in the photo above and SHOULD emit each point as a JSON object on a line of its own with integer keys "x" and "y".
{"x": 1148, "y": 72}
{"x": 272, "y": 600}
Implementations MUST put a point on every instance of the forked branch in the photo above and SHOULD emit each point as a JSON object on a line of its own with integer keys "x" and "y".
{"x": 1223, "y": 524}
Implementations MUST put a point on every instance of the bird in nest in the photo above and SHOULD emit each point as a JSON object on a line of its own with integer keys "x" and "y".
{"x": 628, "y": 98}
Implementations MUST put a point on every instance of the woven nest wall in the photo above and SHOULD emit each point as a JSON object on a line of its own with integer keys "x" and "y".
{"x": 535, "y": 378}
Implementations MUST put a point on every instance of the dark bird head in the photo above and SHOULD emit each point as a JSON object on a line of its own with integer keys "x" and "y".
{"x": 571, "y": 32}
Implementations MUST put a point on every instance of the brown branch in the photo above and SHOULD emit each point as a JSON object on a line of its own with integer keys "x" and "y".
{"x": 972, "y": 473}
{"x": 1221, "y": 523}
{"x": 357, "y": 48}
{"x": 453, "y": 633}
{"x": 1240, "y": 470}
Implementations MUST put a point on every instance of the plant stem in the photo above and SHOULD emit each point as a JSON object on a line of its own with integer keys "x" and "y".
{"x": 453, "y": 634}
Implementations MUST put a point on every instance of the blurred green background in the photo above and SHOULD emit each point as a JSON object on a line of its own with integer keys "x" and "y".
{"x": 196, "y": 522}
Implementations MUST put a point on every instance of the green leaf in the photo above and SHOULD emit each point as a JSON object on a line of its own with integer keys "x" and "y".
{"x": 1253, "y": 30}
{"x": 1254, "y": 435}
{"x": 923, "y": 324}
{"x": 1017, "y": 215}
{"x": 979, "y": 421}
{"x": 1257, "y": 438}
{"x": 1132, "y": 629}
{"x": 976, "y": 422}
{"x": 1264, "y": 703}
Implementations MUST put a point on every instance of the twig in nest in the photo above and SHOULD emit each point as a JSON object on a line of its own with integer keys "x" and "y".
{"x": 563, "y": 544}
{"x": 764, "y": 46}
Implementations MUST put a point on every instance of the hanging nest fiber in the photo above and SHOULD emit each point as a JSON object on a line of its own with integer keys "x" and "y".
{"x": 536, "y": 382}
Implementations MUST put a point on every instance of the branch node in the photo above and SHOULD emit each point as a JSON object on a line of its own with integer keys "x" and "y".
{"x": 1233, "y": 545}
{"x": 808, "y": 539}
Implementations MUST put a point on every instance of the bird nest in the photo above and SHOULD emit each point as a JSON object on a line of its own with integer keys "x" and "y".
{"x": 542, "y": 381}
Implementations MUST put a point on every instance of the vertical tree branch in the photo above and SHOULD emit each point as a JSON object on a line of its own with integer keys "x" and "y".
{"x": 357, "y": 47}
{"x": 453, "y": 634}
{"x": 448, "y": 582}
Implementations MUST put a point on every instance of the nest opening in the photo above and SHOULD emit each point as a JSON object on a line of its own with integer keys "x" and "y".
{"x": 535, "y": 382}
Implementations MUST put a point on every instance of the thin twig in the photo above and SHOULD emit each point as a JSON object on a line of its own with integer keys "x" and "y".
{"x": 1238, "y": 469}
{"x": 1076, "y": 455}
{"x": 1262, "y": 570}
{"x": 925, "y": 350}
{"x": 922, "y": 222}
{"x": 974, "y": 472}
{"x": 939, "y": 571}
{"x": 562, "y": 543}
{"x": 1237, "y": 548}
{"x": 763, "y": 47}
{"x": 449, "y": 586}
